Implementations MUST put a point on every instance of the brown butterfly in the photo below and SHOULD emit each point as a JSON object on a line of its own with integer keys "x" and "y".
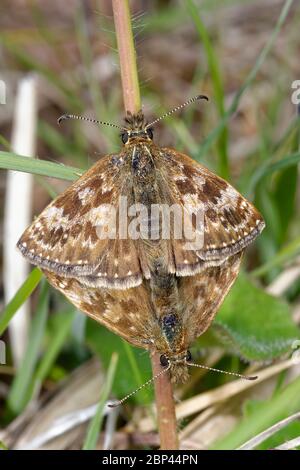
{"x": 157, "y": 293}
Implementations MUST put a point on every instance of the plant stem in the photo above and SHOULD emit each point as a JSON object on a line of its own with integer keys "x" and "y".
{"x": 132, "y": 102}
{"x": 166, "y": 417}
{"x": 129, "y": 74}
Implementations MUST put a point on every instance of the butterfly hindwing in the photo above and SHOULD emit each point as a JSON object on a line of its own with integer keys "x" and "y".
{"x": 128, "y": 313}
{"x": 206, "y": 293}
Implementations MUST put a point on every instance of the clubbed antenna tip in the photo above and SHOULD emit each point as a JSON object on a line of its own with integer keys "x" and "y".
{"x": 64, "y": 117}
{"x": 178, "y": 108}
{"x": 202, "y": 97}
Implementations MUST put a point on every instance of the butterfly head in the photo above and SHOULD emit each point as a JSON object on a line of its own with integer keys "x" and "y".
{"x": 136, "y": 127}
{"x": 178, "y": 365}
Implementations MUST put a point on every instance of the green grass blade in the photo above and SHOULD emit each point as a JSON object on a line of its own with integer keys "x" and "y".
{"x": 287, "y": 253}
{"x": 47, "y": 187}
{"x": 280, "y": 406}
{"x": 216, "y": 77}
{"x": 134, "y": 367}
{"x": 57, "y": 342}
{"x": 270, "y": 168}
{"x": 11, "y": 161}
{"x": 19, "y": 298}
{"x": 18, "y": 395}
{"x": 4, "y": 142}
{"x": 248, "y": 82}
{"x": 56, "y": 140}
{"x": 96, "y": 423}
{"x": 105, "y": 343}
{"x": 183, "y": 135}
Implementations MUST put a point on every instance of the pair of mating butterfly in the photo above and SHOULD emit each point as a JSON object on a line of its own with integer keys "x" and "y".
{"x": 155, "y": 293}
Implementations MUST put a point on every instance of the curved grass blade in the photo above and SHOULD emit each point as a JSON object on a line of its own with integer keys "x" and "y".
{"x": 261, "y": 437}
{"x": 96, "y": 423}
{"x": 248, "y": 82}
{"x": 287, "y": 253}
{"x": 18, "y": 395}
{"x": 58, "y": 339}
{"x": 278, "y": 407}
{"x": 218, "y": 87}
{"x": 134, "y": 367}
{"x": 269, "y": 168}
{"x": 11, "y": 161}
{"x": 19, "y": 298}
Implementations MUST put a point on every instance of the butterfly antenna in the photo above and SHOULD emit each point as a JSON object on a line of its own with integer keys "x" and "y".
{"x": 119, "y": 402}
{"x": 183, "y": 105}
{"x": 64, "y": 117}
{"x": 246, "y": 377}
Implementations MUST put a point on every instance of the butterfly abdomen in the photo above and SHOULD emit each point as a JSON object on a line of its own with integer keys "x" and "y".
{"x": 167, "y": 305}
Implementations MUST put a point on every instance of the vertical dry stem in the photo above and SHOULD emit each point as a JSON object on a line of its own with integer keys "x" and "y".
{"x": 129, "y": 74}
{"x": 166, "y": 417}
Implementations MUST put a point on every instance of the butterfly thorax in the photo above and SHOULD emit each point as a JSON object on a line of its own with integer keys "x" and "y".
{"x": 142, "y": 164}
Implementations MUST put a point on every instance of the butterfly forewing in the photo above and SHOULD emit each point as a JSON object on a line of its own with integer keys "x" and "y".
{"x": 70, "y": 236}
{"x": 230, "y": 222}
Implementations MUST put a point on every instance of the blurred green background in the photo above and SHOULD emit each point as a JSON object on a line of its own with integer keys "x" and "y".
{"x": 245, "y": 56}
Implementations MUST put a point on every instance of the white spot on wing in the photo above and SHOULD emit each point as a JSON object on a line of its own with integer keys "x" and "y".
{"x": 85, "y": 194}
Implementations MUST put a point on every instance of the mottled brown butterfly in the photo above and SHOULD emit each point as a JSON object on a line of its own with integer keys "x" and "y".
{"x": 155, "y": 293}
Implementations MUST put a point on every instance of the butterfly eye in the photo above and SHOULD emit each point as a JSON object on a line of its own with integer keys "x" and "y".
{"x": 164, "y": 361}
{"x": 188, "y": 356}
{"x": 124, "y": 137}
{"x": 149, "y": 132}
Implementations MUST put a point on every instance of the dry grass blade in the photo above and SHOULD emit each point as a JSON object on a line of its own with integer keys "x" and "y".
{"x": 110, "y": 428}
{"x": 62, "y": 425}
{"x": 285, "y": 279}
{"x": 198, "y": 421}
{"x": 289, "y": 445}
{"x": 222, "y": 393}
{"x": 18, "y": 212}
{"x": 73, "y": 404}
